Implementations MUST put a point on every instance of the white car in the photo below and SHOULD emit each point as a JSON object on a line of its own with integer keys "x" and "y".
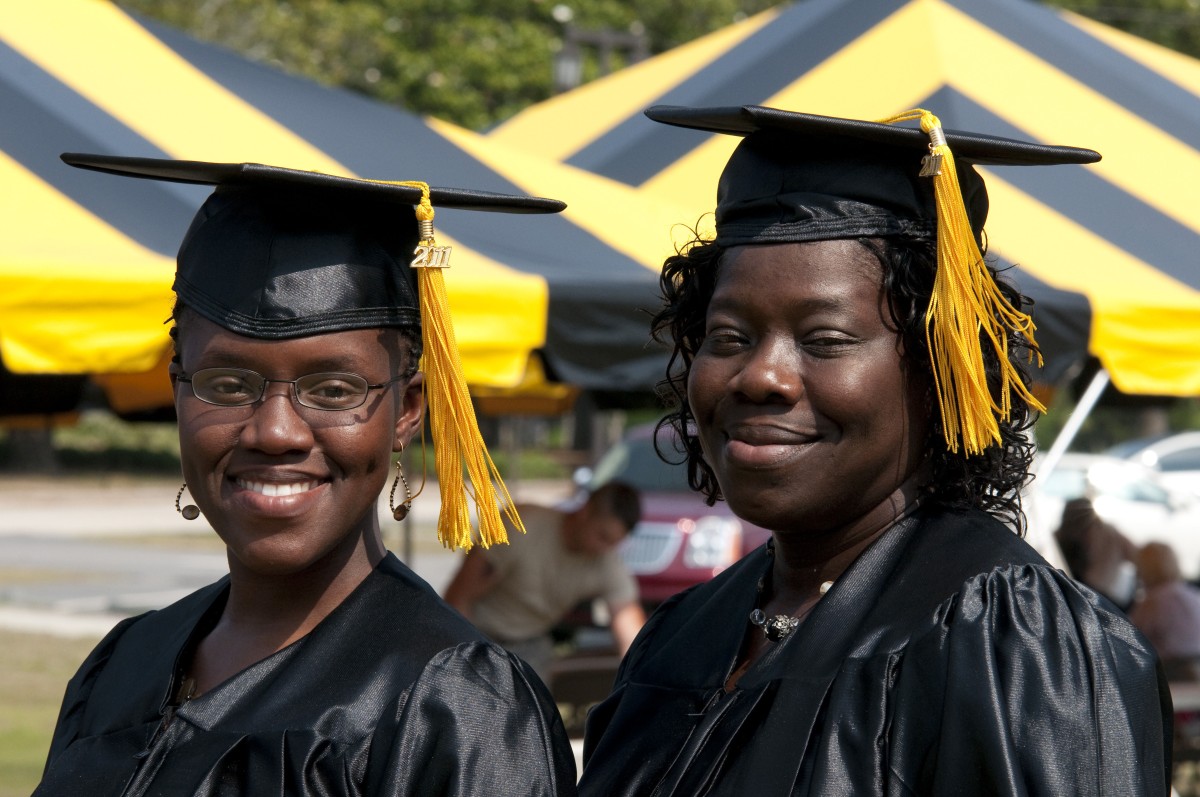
{"x": 1175, "y": 457}
{"x": 1130, "y": 496}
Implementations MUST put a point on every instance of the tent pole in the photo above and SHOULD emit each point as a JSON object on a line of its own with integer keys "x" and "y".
{"x": 1078, "y": 415}
{"x": 1039, "y": 534}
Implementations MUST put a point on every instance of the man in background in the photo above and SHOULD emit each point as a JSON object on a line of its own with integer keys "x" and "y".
{"x": 517, "y": 593}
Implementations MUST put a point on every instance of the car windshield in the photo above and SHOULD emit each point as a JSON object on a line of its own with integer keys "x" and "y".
{"x": 1113, "y": 479}
{"x": 635, "y": 462}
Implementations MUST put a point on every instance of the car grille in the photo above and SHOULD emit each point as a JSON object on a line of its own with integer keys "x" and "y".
{"x": 651, "y": 547}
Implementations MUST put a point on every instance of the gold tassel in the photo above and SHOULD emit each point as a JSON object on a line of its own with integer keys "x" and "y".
{"x": 966, "y": 301}
{"x": 456, "y": 437}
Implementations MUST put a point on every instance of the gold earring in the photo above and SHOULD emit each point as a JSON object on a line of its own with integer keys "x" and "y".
{"x": 189, "y": 512}
{"x": 400, "y": 512}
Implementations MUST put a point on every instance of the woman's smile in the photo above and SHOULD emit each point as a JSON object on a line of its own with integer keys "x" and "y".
{"x": 277, "y": 497}
{"x": 273, "y": 489}
{"x": 760, "y": 447}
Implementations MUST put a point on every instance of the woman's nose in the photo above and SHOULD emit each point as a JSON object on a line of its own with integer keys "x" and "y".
{"x": 771, "y": 373}
{"x": 276, "y": 426}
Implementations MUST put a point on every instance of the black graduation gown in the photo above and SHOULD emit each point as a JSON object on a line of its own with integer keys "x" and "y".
{"x": 949, "y": 659}
{"x": 393, "y": 693}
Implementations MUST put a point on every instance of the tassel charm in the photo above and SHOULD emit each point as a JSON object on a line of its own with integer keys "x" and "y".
{"x": 429, "y": 256}
{"x": 931, "y": 164}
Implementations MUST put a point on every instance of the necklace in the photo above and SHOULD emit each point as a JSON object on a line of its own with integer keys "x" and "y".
{"x": 186, "y": 690}
{"x": 779, "y": 626}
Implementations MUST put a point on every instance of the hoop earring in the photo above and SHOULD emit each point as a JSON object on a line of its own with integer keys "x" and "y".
{"x": 189, "y": 512}
{"x": 400, "y": 512}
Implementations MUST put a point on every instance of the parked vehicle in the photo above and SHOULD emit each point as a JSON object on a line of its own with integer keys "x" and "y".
{"x": 1127, "y": 494}
{"x": 680, "y": 541}
{"x": 1175, "y": 457}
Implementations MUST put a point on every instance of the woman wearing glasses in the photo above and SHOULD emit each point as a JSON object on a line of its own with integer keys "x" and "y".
{"x": 321, "y": 664}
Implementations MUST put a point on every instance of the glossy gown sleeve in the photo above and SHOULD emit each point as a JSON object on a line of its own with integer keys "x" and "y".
{"x": 479, "y": 723}
{"x": 913, "y": 680}
{"x": 1023, "y": 685}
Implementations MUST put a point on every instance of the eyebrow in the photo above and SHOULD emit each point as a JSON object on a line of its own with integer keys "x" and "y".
{"x": 318, "y": 365}
{"x": 812, "y": 304}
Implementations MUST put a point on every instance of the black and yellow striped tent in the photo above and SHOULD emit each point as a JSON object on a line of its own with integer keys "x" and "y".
{"x": 1124, "y": 233}
{"x": 86, "y": 261}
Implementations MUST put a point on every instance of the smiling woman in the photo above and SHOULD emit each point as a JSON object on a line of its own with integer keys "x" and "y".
{"x": 848, "y": 374}
{"x": 321, "y": 664}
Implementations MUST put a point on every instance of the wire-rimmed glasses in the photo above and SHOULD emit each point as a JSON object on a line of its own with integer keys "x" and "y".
{"x": 241, "y": 387}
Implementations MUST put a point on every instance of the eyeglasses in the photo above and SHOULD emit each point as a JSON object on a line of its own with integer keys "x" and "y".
{"x": 240, "y": 387}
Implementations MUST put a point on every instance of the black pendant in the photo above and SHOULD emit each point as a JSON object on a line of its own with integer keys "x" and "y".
{"x": 774, "y": 628}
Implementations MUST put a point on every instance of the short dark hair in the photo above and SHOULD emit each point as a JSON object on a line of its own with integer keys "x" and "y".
{"x": 620, "y": 500}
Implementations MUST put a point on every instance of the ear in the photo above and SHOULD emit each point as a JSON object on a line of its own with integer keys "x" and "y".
{"x": 412, "y": 413}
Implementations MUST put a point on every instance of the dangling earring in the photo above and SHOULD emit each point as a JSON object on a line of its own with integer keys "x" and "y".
{"x": 400, "y": 512}
{"x": 189, "y": 512}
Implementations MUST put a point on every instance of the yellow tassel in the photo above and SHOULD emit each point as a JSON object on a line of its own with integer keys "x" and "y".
{"x": 457, "y": 441}
{"x": 966, "y": 305}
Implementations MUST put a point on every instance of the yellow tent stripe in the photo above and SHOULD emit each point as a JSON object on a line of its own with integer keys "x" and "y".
{"x": 1145, "y": 352}
{"x": 1063, "y": 109}
{"x": 117, "y": 65}
{"x": 40, "y": 223}
{"x": 1163, "y": 360}
{"x": 603, "y": 207}
{"x": 958, "y": 51}
{"x": 75, "y": 295}
{"x": 906, "y": 42}
{"x": 1172, "y": 65}
{"x": 552, "y": 128}
{"x": 691, "y": 180}
{"x": 499, "y": 315}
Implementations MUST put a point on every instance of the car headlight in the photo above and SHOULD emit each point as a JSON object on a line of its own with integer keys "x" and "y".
{"x": 712, "y": 542}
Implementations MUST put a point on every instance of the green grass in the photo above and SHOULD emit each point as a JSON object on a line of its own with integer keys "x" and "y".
{"x": 34, "y": 670}
{"x": 102, "y": 443}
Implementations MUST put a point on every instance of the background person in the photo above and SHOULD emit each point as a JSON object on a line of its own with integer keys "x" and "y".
{"x": 1097, "y": 554}
{"x": 320, "y": 664}
{"x": 517, "y": 593}
{"x": 1167, "y": 611}
{"x": 849, "y": 373}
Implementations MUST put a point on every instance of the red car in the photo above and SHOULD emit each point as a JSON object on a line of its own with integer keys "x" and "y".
{"x": 680, "y": 541}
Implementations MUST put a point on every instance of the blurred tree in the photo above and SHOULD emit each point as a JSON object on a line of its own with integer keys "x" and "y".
{"x": 472, "y": 62}
{"x": 1171, "y": 23}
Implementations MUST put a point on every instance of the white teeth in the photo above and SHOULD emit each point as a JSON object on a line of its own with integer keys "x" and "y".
{"x": 275, "y": 489}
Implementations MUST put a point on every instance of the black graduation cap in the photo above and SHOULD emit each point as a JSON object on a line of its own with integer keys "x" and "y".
{"x": 804, "y": 177}
{"x": 280, "y": 253}
{"x": 798, "y": 177}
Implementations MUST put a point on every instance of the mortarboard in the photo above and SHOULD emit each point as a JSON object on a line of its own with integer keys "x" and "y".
{"x": 802, "y": 177}
{"x": 279, "y": 253}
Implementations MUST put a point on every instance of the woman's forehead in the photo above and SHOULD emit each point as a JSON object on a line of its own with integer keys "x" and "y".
{"x": 203, "y": 340}
{"x": 822, "y": 271}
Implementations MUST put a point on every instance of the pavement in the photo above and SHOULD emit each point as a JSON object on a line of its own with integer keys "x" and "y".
{"x": 79, "y": 554}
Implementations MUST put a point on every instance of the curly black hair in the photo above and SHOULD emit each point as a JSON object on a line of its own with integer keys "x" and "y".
{"x": 991, "y": 480}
